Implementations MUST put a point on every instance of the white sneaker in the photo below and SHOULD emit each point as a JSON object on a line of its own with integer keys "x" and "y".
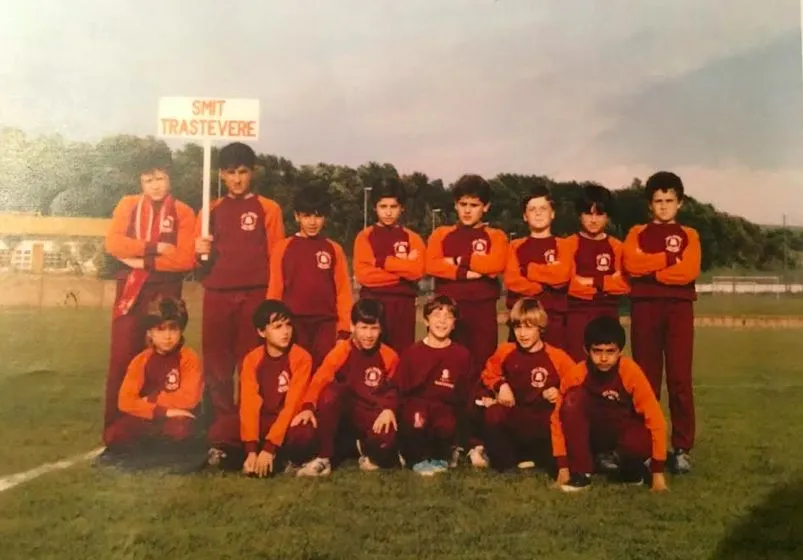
{"x": 215, "y": 456}
{"x": 366, "y": 464}
{"x": 454, "y": 461}
{"x": 316, "y": 467}
{"x": 478, "y": 458}
{"x": 524, "y": 465}
{"x": 291, "y": 468}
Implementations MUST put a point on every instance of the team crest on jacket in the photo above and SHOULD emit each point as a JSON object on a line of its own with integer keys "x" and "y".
{"x": 401, "y": 248}
{"x": 172, "y": 380}
{"x": 673, "y": 243}
{"x": 373, "y": 376}
{"x": 167, "y": 225}
{"x": 611, "y": 395}
{"x": 445, "y": 380}
{"x": 248, "y": 221}
{"x": 324, "y": 260}
{"x": 538, "y": 377}
{"x": 479, "y": 246}
{"x": 603, "y": 262}
{"x": 284, "y": 382}
{"x": 550, "y": 256}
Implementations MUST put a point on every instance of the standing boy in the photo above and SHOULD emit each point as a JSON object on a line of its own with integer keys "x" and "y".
{"x": 273, "y": 379}
{"x": 663, "y": 259}
{"x": 353, "y": 387}
{"x": 388, "y": 262}
{"x": 433, "y": 382}
{"x": 310, "y": 275}
{"x": 597, "y": 280}
{"x": 465, "y": 260}
{"x": 608, "y": 405}
{"x": 539, "y": 265}
{"x": 526, "y": 378}
{"x": 152, "y": 236}
{"x": 244, "y": 230}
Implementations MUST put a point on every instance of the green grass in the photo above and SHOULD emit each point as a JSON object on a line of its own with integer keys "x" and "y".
{"x": 746, "y": 491}
{"x": 749, "y": 305}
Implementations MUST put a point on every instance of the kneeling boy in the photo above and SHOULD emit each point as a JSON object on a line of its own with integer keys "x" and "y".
{"x": 273, "y": 379}
{"x": 608, "y": 405}
{"x": 353, "y": 384}
{"x": 526, "y": 377}
{"x": 162, "y": 386}
{"x": 433, "y": 382}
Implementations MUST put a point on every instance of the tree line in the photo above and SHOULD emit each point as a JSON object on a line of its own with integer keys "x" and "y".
{"x": 52, "y": 176}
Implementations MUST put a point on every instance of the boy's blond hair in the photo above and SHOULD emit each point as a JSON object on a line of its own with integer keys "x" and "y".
{"x": 528, "y": 312}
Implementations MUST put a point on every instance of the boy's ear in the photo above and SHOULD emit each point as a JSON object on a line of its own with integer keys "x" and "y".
{"x": 263, "y": 333}
{"x": 486, "y": 207}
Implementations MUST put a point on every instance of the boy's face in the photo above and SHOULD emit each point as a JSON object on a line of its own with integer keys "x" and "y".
{"x": 664, "y": 206}
{"x": 527, "y": 335}
{"x": 593, "y": 222}
{"x": 155, "y": 184}
{"x": 539, "y": 214}
{"x": 237, "y": 179}
{"x": 440, "y": 323}
{"x": 310, "y": 225}
{"x": 470, "y": 210}
{"x": 165, "y": 336}
{"x": 278, "y": 333}
{"x": 388, "y": 211}
{"x": 366, "y": 335}
{"x": 604, "y": 356}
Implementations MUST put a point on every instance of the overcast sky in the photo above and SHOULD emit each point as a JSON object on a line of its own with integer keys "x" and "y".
{"x": 709, "y": 88}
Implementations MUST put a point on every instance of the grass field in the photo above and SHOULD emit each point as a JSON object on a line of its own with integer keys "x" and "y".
{"x": 744, "y": 499}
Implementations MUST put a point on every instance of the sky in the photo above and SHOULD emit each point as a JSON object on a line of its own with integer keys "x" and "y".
{"x": 580, "y": 90}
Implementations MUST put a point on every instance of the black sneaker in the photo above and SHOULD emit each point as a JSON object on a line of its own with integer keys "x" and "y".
{"x": 608, "y": 462}
{"x": 639, "y": 475}
{"x": 577, "y": 482}
{"x": 680, "y": 462}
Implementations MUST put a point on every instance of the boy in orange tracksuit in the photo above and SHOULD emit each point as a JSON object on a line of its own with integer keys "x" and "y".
{"x": 388, "y": 262}
{"x": 608, "y": 405}
{"x": 244, "y": 230}
{"x": 309, "y": 274}
{"x": 526, "y": 377}
{"x": 663, "y": 261}
{"x": 539, "y": 265}
{"x": 162, "y": 386}
{"x": 354, "y": 384}
{"x": 152, "y": 236}
{"x": 597, "y": 280}
{"x": 273, "y": 379}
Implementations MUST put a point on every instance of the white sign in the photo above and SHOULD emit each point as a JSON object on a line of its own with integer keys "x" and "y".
{"x": 208, "y": 118}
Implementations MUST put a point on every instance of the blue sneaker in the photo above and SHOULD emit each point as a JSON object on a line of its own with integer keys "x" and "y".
{"x": 424, "y": 468}
{"x": 439, "y": 465}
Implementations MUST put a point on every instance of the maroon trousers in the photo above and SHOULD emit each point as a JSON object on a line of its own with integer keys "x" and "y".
{"x": 477, "y": 330}
{"x": 662, "y": 332}
{"x": 127, "y": 430}
{"x": 338, "y": 409}
{"x": 128, "y": 340}
{"x": 316, "y": 335}
{"x": 434, "y": 438}
{"x": 517, "y": 433}
{"x": 399, "y": 320}
{"x": 228, "y": 334}
{"x": 299, "y": 441}
{"x": 593, "y": 425}
{"x": 577, "y": 319}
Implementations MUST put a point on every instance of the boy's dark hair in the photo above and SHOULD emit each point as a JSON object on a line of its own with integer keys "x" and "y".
{"x": 389, "y": 188}
{"x": 663, "y": 181}
{"x": 166, "y": 310}
{"x": 538, "y": 191}
{"x": 438, "y": 302}
{"x": 594, "y": 197}
{"x": 368, "y": 311}
{"x": 474, "y": 186}
{"x": 604, "y": 330}
{"x": 236, "y": 154}
{"x": 269, "y": 311}
{"x": 161, "y": 160}
{"x": 311, "y": 199}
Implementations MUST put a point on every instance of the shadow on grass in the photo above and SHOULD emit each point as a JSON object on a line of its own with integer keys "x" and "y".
{"x": 773, "y": 529}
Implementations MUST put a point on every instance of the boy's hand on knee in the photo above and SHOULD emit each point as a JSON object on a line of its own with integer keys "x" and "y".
{"x": 563, "y": 476}
{"x": 384, "y": 421}
{"x": 551, "y": 395}
{"x": 505, "y": 396}
{"x": 264, "y": 463}
{"x": 304, "y": 417}
{"x": 659, "y": 483}
{"x": 178, "y": 413}
{"x": 250, "y": 464}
